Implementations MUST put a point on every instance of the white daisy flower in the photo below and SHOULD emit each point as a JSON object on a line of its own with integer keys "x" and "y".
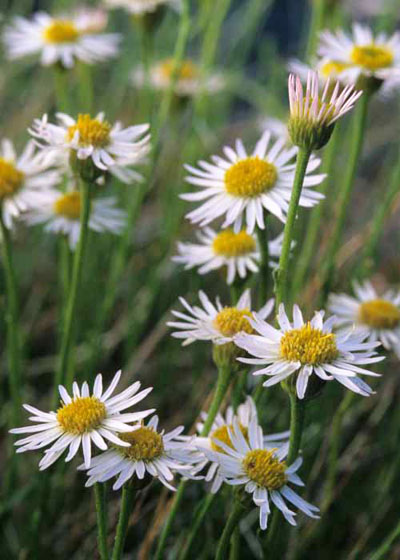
{"x": 151, "y": 452}
{"x": 362, "y": 53}
{"x": 25, "y": 180}
{"x": 189, "y": 80}
{"x": 306, "y": 348}
{"x": 61, "y": 214}
{"x": 140, "y": 7}
{"x": 64, "y": 39}
{"x": 241, "y": 186}
{"x": 111, "y": 147}
{"x": 370, "y": 315}
{"x": 245, "y": 413}
{"x": 325, "y": 68}
{"x": 216, "y": 323}
{"x": 238, "y": 252}
{"x": 81, "y": 420}
{"x": 249, "y": 462}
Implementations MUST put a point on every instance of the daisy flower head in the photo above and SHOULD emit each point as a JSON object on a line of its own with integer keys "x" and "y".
{"x": 324, "y": 67}
{"x": 300, "y": 349}
{"x": 151, "y": 453}
{"x": 313, "y": 114}
{"x": 61, "y": 215}
{"x": 245, "y": 414}
{"x": 238, "y": 252}
{"x": 142, "y": 7}
{"x": 241, "y": 187}
{"x": 189, "y": 80}
{"x": 25, "y": 180}
{"x": 369, "y": 314}
{"x": 64, "y": 39}
{"x": 94, "y": 145}
{"x": 82, "y": 419}
{"x": 364, "y": 55}
{"x": 262, "y": 471}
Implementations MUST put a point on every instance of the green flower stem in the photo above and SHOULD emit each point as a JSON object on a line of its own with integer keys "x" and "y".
{"x": 224, "y": 377}
{"x": 12, "y": 322}
{"x": 123, "y": 521}
{"x": 231, "y": 524}
{"x": 283, "y": 270}
{"x": 264, "y": 273}
{"x": 344, "y": 194}
{"x": 61, "y": 89}
{"x": 101, "y": 512}
{"x": 313, "y": 230}
{"x": 69, "y": 316}
{"x": 85, "y": 84}
{"x": 383, "y": 551}
{"x": 318, "y": 9}
{"x": 207, "y": 502}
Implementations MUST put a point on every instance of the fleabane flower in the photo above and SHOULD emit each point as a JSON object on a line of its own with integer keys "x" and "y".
{"x": 151, "y": 453}
{"x": 324, "y": 67}
{"x": 141, "y": 7}
{"x": 189, "y": 80}
{"x": 262, "y": 471}
{"x": 362, "y": 53}
{"x": 61, "y": 215}
{"x": 313, "y": 115}
{"x": 82, "y": 419}
{"x": 60, "y": 40}
{"x": 238, "y": 252}
{"x": 215, "y": 323}
{"x": 245, "y": 414}
{"x": 241, "y": 187}
{"x": 368, "y": 314}
{"x": 110, "y": 147}
{"x": 306, "y": 348}
{"x": 25, "y": 180}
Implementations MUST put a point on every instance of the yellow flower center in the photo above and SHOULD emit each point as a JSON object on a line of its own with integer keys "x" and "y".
{"x": 250, "y": 177}
{"x": 222, "y": 434}
{"x": 61, "y": 31}
{"x": 92, "y": 132}
{"x": 372, "y": 57}
{"x": 69, "y": 205}
{"x": 379, "y": 314}
{"x": 146, "y": 444}
{"x": 332, "y": 68}
{"x": 231, "y": 321}
{"x": 11, "y": 178}
{"x": 308, "y": 346}
{"x": 187, "y": 71}
{"x": 82, "y": 415}
{"x": 266, "y": 470}
{"x": 230, "y": 244}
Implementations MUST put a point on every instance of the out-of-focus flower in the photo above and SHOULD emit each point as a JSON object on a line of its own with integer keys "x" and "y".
{"x": 64, "y": 39}
{"x": 140, "y": 7}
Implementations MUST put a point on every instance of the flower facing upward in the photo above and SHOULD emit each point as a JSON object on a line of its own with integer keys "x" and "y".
{"x": 312, "y": 115}
{"x": 249, "y": 462}
{"x": 307, "y": 348}
{"x": 151, "y": 453}
{"x": 81, "y": 420}
{"x": 140, "y": 7}
{"x": 376, "y": 317}
{"x": 242, "y": 186}
{"x": 362, "y": 53}
{"x": 25, "y": 181}
{"x": 61, "y": 214}
{"x": 214, "y": 322}
{"x": 64, "y": 39}
{"x": 110, "y": 147}
{"x": 238, "y": 252}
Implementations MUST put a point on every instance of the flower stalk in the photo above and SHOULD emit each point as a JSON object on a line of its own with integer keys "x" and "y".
{"x": 231, "y": 524}
{"x": 101, "y": 512}
{"x": 264, "y": 265}
{"x": 123, "y": 521}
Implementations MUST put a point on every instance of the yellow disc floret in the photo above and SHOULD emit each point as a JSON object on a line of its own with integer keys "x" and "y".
{"x": 308, "y": 345}
{"x": 11, "y": 179}
{"x": 61, "y": 31}
{"x": 231, "y": 321}
{"x": 263, "y": 468}
{"x": 82, "y": 415}
{"x": 222, "y": 434}
{"x": 332, "y": 68}
{"x": 187, "y": 70}
{"x": 372, "y": 57}
{"x": 146, "y": 444}
{"x": 92, "y": 132}
{"x": 231, "y": 244}
{"x": 379, "y": 314}
{"x": 250, "y": 177}
{"x": 69, "y": 205}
